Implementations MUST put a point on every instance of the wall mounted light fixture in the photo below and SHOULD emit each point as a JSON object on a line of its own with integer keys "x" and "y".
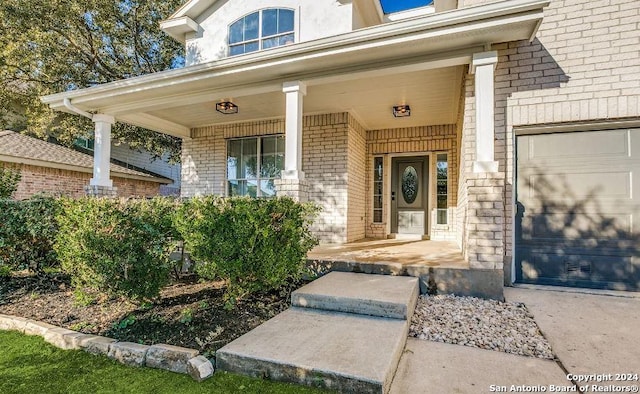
{"x": 227, "y": 108}
{"x": 401, "y": 111}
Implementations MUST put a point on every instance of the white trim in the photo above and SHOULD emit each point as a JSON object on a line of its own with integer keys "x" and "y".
{"x": 177, "y": 28}
{"x": 483, "y": 67}
{"x": 373, "y": 41}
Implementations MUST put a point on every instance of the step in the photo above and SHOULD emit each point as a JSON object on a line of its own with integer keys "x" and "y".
{"x": 337, "y": 351}
{"x": 376, "y": 295}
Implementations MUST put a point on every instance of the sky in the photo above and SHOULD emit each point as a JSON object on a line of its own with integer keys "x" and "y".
{"x": 390, "y": 6}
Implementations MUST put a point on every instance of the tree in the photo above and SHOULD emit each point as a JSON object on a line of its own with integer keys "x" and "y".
{"x": 9, "y": 179}
{"x": 58, "y": 45}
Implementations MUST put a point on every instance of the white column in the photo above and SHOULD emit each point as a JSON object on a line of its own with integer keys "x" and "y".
{"x": 294, "y": 92}
{"x": 102, "y": 150}
{"x": 483, "y": 65}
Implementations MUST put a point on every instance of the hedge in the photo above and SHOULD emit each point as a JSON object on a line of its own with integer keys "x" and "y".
{"x": 122, "y": 247}
{"x": 27, "y": 232}
{"x": 254, "y": 244}
{"x": 117, "y": 247}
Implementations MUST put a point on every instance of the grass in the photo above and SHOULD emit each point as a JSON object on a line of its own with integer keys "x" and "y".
{"x": 30, "y": 365}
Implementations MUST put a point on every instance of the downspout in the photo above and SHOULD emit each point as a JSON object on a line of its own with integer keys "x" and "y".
{"x": 76, "y": 110}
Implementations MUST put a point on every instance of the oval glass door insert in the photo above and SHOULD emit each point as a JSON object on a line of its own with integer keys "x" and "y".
{"x": 409, "y": 184}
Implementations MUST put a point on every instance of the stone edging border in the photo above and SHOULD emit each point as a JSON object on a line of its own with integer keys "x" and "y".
{"x": 171, "y": 358}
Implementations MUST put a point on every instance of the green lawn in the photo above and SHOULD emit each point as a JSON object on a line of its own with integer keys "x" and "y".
{"x": 30, "y": 365}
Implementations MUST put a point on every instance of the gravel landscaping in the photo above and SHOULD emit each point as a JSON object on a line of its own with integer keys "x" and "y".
{"x": 486, "y": 324}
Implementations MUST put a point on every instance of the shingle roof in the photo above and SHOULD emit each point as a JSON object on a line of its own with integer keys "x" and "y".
{"x": 21, "y": 146}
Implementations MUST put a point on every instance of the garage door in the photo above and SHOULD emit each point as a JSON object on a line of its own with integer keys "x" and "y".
{"x": 578, "y": 209}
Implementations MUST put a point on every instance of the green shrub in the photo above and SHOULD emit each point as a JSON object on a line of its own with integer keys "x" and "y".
{"x": 27, "y": 231}
{"x": 254, "y": 244}
{"x": 117, "y": 247}
{"x": 9, "y": 179}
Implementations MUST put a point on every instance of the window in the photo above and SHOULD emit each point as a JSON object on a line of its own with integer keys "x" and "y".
{"x": 269, "y": 28}
{"x": 377, "y": 190}
{"x": 442, "y": 185}
{"x": 86, "y": 143}
{"x": 253, "y": 164}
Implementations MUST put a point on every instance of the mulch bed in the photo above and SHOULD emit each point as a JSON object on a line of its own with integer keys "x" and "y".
{"x": 188, "y": 313}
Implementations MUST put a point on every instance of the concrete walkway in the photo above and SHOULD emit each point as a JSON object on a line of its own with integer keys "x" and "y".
{"x": 591, "y": 334}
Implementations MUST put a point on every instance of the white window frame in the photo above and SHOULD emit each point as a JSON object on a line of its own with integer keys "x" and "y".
{"x": 260, "y": 37}
{"x": 258, "y": 178}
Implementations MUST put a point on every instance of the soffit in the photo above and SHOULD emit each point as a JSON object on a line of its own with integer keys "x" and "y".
{"x": 433, "y": 95}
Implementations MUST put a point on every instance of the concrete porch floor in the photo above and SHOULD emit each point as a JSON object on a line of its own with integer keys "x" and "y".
{"x": 397, "y": 252}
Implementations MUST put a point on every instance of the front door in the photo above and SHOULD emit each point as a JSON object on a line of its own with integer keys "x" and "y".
{"x": 409, "y": 192}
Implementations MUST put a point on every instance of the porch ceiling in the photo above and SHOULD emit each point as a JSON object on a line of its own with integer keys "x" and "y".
{"x": 432, "y": 94}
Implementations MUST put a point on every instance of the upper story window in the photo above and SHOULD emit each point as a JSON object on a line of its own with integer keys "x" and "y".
{"x": 268, "y": 28}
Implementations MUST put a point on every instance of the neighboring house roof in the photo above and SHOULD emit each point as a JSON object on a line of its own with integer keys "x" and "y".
{"x": 19, "y": 148}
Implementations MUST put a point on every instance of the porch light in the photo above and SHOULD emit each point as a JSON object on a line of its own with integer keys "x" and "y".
{"x": 227, "y": 108}
{"x": 401, "y": 111}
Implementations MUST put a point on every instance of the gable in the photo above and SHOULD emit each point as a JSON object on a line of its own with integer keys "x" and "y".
{"x": 203, "y": 25}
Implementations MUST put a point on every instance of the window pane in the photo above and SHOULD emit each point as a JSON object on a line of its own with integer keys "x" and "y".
{"x": 235, "y": 32}
{"x": 271, "y": 43}
{"x": 442, "y": 216}
{"x": 377, "y": 216}
{"x": 252, "y": 189}
{"x": 285, "y": 21}
{"x": 237, "y": 188}
{"x": 442, "y": 202}
{"x": 251, "y": 47}
{"x": 234, "y": 152}
{"x": 286, "y": 39}
{"x": 236, "y": 50}
{"x": 377, "y": 202}
{"x": 268, "y": 167}
{"x": 249, "y": 158}
{"x": 280, "y": 144}
{"x": 269, "y": 22}
{"x": 268, "y": 145}
{"x": 251, "y": 29}
{"x": 377, "y": 169}
{"x": 377, "y": 188}
{"x": 268, "y": 188}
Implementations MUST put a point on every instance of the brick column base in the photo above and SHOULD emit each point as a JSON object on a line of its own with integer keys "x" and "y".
{"x": 101, "y": 191}
{"x": 294, "y": 188}
{"x": 485, "y": 220}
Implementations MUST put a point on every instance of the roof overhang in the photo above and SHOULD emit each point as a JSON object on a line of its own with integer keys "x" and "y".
{"x": 437, "y": 40}
{"x": 178, "y": 27}
{"x": 87, "y": 170}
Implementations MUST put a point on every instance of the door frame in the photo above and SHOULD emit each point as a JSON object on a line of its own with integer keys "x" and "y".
{"x": 426, "y": 179}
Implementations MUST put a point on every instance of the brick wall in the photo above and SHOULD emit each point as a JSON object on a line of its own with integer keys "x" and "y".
{"x": 204, "y": 156}
{"x": 36, "y": 179}
{"x": 324, "y": 161}
{"x": 357, "y": 180}
{"x": 424, "y": 139}
{"x": 583, "y": 65}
